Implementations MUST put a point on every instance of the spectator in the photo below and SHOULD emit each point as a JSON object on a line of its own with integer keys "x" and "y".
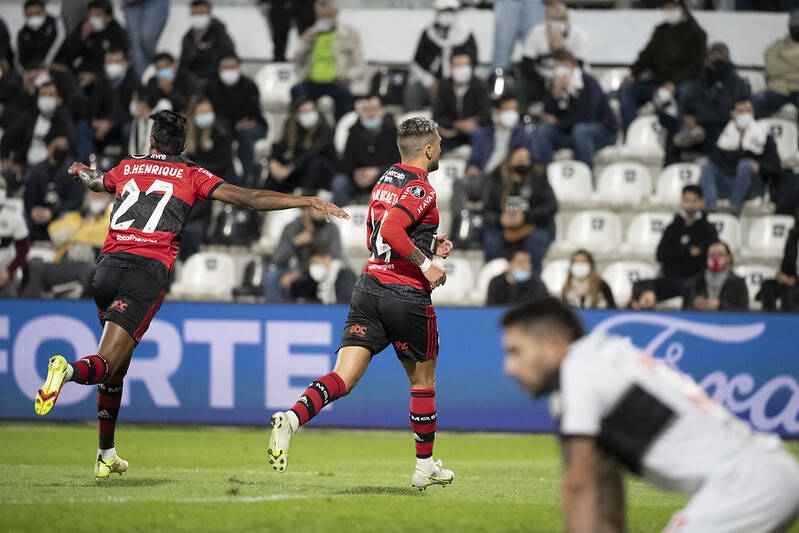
{"x": 6, "y": 52}
{"x": 584, "y": 288}
{"x": 236, "y": 99}
{"x": 279, "y": 15}
{"x": 74, "y": 12}
{"x": 491, "y": 144}
{"x": 643, "y": 297}
{"x": 371, "y": 149}
{"x": 519, "y": 209}
{"x": 25, "y": 141}
{"x": 784, "y": 288}
{"x": 513, "y": 20}
{"x": 140, "y": 126}
{"x": 439, "y": 42}
{"x": 145, "y": 20}
{"x": 329, "y": 59}
{"x": 538, "y": 65}
{"x": 169, "y": 83}
{"x": 682, "y": 251}
{"x": 673, "y": 58}
{"x": 88, "y": 43}
{"x": 519, "y": 284}
{"x": 745, "y": 156}
{"x": 305, "y": 157}
{"x": 461, "y": 104}
{"x": 292, "y": 255}
{"x": 576, "y": 115}
{"x": 204, "y": 44}
{"x": 40, "y": 40}
{"x": 14, "y": 241}
{"x": 328, "y": 280}
{"x": 49, "y": 190}
{"x": 36, "y": 75}
{"x": 717, "y": 288}
{"x": 209, "y": 140}
{"x": 782, "y": 72}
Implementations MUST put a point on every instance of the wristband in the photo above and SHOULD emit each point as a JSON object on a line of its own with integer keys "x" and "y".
{"x": 77, "y": 170}
{"x": 426, "y": 265}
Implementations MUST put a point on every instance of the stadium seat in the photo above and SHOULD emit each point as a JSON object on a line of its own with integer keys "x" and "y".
{"x": 754, "y": 276}
{"x": 490, "y": 270}
{"x": 767, "y": 236}
{"x": 644, "y": 232}
{"x": 672, "y": 179}
{"x": 554, "y": 275}
{"x": 597, "y": 231}
{"x": 785, "y": 135}
{"x": 645, "y": 139}
{"x": 624, "y": 183}
{"x": 729, "y": 229}
{"x": 571, "y": 180}
{"x": 353, "y": 230}
{"x": 205, "y": 276}
{"x": 460, "y": 282}
{"x": 442, "y": 180}
{"x": 276, "y": 221}
{"x": 343, "y": 131}
{"x": 621, "y": 276}
{"x": 274, "y": 82}
{"x": 611, "y": 79}
{"x": 756, "y": 79}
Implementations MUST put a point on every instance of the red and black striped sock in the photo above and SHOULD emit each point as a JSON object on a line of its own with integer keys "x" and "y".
{"x": 109, "y": 398}
{"x": 90, "y": 370}
{"x": 321, "y": 392}
{"x": 423, "y": 420}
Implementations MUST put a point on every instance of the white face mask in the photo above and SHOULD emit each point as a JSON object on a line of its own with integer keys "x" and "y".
{"x": 462, "y": 74}
{"x": 318, "y": 272}
{"x": 324, "y": 25}
{"x": 580, "y": 270}
{"x": 115, "y": 70}
{"x": 229, "y": 76}
{"x": 97, "y": 23}
{"x": 559, "y": 25}
{"x": 308, "y": 120}
{"x": 445, "y": 19}
{"x": 509, "y": 118}
{"x": 744, "y": 120}
{"x": 36, "y": 22}
{"x": 46, "y": 104}
{"x": 199, "y": 22}
{"x": 2, "y": 197}
{"x": 203, "y": 120}
{"x": 672, "y": 16}
{"x": 97, "y": 207}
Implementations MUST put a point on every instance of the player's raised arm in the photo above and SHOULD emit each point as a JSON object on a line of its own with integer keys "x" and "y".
{"x": 272, "y": 201}
{"x": 92, "y": 178}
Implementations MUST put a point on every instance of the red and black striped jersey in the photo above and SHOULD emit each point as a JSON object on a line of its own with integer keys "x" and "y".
{"x": 154, "y": 195}
{"x": 408, "y": 189}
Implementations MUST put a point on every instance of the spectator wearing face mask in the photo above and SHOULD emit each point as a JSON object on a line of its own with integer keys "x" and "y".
{"x": 717, "y": 288}
{"x": 513, "y": 20}
{"x": 492, "y": 144}
{"x": 576, "y": 115}
{"x": 305, "y": 157}
{"x": 519, "y": 284}
{"x": 34, "y": 76}
{"x": 519, "y": 209}
{"x": 205, "y": 43}
{"x": 145, "y": 20}
{"x": 782, "y": 72}
{"x": 88, "y": 43}
{"x": 446, "y": 37}
{"x": 169, "y": 83}
{"x": 584, "y": 288}
{"x": 49, "y": 191}
{"x": 371, "y": 148}
{"x": 14, "y": 241}
{"x": 682, "y": 250}
{"x": 556, "y": 34}
{"x": 784, "y": 287}
{"x": 461, "y": 104}
{"x": 279, "y": 15}
{"x": 236, "y": 99}
{"x": 328, "y": 281}
{"x": 41, "y": 38}
{"x": 673, "y": 58}
{"x": 643, "y": 297}
{"x": 744, "y": 158}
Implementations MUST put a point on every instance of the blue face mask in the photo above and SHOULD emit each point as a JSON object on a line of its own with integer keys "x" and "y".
{"x": 165, "y": 74}
{"x": 521, "y": 275}
{"x": 203, "y": 120}
{"x": 372, "y": 123}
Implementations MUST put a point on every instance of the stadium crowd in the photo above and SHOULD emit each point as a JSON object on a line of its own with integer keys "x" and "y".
{"x": 81, "y": 87}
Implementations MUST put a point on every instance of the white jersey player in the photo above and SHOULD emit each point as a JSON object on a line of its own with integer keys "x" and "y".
{"x": 618, "y": 405}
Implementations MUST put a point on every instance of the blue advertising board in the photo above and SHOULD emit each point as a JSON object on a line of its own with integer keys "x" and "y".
{"x": 236, "y": 363}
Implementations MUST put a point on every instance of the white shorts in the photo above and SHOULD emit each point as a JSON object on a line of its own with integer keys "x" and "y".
{"x": 759, "y": 495}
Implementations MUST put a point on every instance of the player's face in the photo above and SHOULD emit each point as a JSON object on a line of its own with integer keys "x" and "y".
{"x": 434, "y": 154}
{"x": 530, "y": 359}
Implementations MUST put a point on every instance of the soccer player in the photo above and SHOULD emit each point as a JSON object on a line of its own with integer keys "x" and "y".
{"x": 614, "y": 401}
{"x": 154, "y": 195}
{"x": 391, "y": 302}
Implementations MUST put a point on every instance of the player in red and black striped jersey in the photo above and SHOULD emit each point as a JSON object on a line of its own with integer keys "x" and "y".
{"x": 391, "y": 302}
{"x": 154, "y": 195}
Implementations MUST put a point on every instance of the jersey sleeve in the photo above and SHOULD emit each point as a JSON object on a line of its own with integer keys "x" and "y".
{"x": 111, "y": 179}
{"x": 417, "y": 198}
{"x": 204, "y": 182}
{"x": 580, "y": 402}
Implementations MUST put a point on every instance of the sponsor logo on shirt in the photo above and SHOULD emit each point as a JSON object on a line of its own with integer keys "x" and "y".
{"x": 417, "y": 191}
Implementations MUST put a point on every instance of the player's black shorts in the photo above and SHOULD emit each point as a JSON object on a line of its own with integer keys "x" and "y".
{"x": 378, "y": 317}
{"x": 127, "y": 296}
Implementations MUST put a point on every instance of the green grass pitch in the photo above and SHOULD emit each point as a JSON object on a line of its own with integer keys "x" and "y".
{"x": 209, "y": 479}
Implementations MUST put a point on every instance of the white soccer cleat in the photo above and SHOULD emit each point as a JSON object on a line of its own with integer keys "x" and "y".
{"x": 280, "y": 441}
{"x": 431, "y": 474}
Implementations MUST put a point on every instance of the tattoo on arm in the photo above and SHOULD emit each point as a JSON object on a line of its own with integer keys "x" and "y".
{"x": 416, "y": 257}
{"x": 93, "y": 179}
{"x": 269, "y": 201}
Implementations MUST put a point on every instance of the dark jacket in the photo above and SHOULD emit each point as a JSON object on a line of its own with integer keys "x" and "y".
{"x": 674, "y": 250}
{"x": 324, "y": 234}
{"x": 591, "y": 105}
{"x": 89, "y": 55}
{"x": 48, "y": 186}
{"x": 216, "y": 156}
{"x": 183, "y": 87}
{"x": 734, "y": 294}
{"x": 475, "y": 103}
{"x": 111, "y": 100}
{"x": 201, "y": 57}
{"x": 17, "y": 139}
{"x": 675, "y": 52}
{"x": 430, "y": 55}
{"x": 306, "y": 288}
{"x": 6, "y": 52}
{"x": 300, "y": 156}
{"x": 235, "y": 102}
{"x": 367, "y": 148}
{"x": 714, "y": 97}
{"x": 769, "y": 161}
{"x": 503, "y": 292}
{"x": 483, "y": 144}
{"x": 534, "y": 193}
{"x": 42, "y": 45}
{"x": 788, "y": 266}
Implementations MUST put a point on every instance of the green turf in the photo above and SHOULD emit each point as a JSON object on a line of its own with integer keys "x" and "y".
{"x": 208, "y": 479}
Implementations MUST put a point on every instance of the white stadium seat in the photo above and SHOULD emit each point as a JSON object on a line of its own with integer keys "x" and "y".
{"x": 785, "y": 135}
{"x": 644, "y": 232}
{"x": 490, "y": 270}
{"x": 353, "y": 230}
{"x": 645, "y": 136}
{"x": 756, "y": 79}
{"x": 343, "y": 131}
{"x": 554, "y": 276}
{"x": 274, "y": 82}
{"x": 205, "y": 276}
{"x": 624, "y": 183}
{"x": 597, "y": 231}
{"x": 571, "y": 181}
{"x": 671, "y": 181}
{"x": 442, "y": 180}
{"x": 754, "y": 276}
{"x": 729, "y": 229}
{"x": 276, "y": 221}
{"x": 621, "y": 276}
{"x": 611, "y": 79}
{"x": 767, "y": 236}
{"x": 460, "y": 282}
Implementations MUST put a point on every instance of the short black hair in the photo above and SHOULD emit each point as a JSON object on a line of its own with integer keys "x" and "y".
{"x": 163, "y": 56}
{"x": 511, "y": 252}
{"x": 105, "y": 5}
{"x": 318, "y": 250}
{"x": 564, "y": 55}
{"x": 48, "y": 83}
{"x": 33, "y": 3}
{"x": 117, "y": 50}
{"x": 229, "y": 54}
{"x": 549, "y": 311}
{"x": 198, "y": 3}
{"x": 696, "y": 189}
{"x": 642, "y": 286}
{"x": 505, "y": 97}
{"x": 169, "y": 132}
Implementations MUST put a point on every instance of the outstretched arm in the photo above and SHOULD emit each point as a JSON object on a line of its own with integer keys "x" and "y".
{"x": 92, "y": 178}
{"x": 272, "y": 201}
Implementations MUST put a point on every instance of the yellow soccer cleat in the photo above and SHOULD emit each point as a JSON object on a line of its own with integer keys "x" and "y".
{"x": 103, "y": 468}
{"x": 48, "y": 394}
{"x": 279, "y": 442}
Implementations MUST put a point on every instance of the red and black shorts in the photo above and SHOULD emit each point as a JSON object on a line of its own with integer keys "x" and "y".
{"x": 379, "y": 318}
{"x": 127, "y": 296}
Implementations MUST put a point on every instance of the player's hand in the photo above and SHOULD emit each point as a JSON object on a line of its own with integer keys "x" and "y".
{"x": 443, "y": 246}
{"x": 328, "y": 208}
{"x": 73, "y": 170}
{"x": 436, "y": 275}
